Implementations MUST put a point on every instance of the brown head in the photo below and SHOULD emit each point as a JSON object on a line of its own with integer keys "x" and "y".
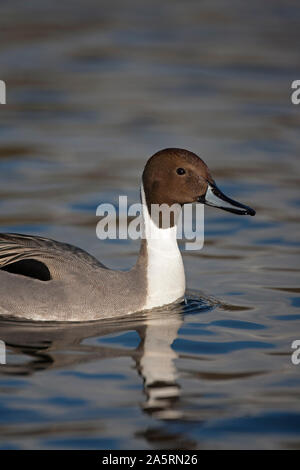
{"x": 177, "y": 176}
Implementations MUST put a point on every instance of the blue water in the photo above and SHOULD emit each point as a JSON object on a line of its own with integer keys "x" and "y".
{"x": 92, "y": 93}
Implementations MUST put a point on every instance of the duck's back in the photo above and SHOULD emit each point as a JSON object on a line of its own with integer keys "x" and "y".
{"x": 42, "y": 279}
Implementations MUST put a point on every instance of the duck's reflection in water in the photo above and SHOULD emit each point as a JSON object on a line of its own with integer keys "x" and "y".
{"x": 36, "y": 347}
{"x": 157, "y": 366}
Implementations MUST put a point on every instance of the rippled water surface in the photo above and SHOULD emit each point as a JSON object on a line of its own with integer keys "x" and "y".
{"x": 93, "y": 90}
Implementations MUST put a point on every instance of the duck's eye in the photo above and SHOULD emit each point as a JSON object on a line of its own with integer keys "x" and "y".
{"x": 180, "y": 171}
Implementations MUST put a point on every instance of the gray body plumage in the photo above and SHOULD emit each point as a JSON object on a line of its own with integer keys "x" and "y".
{"x": 41, "y": 279}
{"x": 80, "y": 287}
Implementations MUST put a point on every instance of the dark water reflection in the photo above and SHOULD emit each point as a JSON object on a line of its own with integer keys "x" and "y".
{"x": 145, "y": 340}
{"x": 92, "y": 91}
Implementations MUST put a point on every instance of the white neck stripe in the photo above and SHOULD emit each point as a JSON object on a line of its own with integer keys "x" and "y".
{"x": 165, "y": 271}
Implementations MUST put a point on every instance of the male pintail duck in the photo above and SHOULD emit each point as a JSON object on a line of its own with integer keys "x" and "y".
{"x": 45, "y": 280}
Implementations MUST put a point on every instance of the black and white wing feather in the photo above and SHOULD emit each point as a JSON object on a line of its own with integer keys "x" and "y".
{"x": 58, "y": 257}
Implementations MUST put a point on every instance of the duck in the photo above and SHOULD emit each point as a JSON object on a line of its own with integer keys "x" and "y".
{"x": 45, "y": 280}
